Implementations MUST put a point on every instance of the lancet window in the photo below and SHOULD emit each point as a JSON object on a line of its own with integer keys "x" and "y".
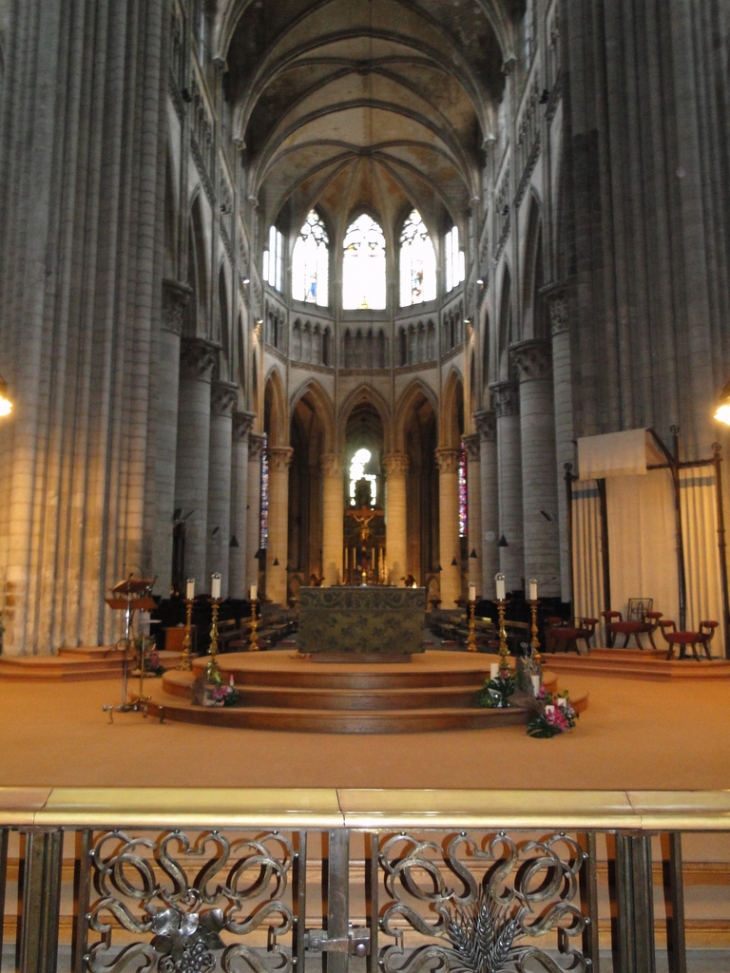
{"x": 273, "y": 259}
{"x": 462, "y": 492}
{"x": 357, "y": 472}
{"x": 310, "y": 263}
{"x": 455, "y": 263}
{"x": 363, "y": 266}
{"x": 417, "y": 262}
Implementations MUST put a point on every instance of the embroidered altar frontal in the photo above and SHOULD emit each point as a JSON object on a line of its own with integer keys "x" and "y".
{"x": 361, "y": 624}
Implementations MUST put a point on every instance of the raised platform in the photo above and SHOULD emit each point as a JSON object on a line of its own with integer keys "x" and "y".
{"x": 637, "y": 664}
{"x": 71, "y": 665}
{"x": 281, "y": 690}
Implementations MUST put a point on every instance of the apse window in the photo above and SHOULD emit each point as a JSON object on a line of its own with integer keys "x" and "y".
{"x": 310, "y": 263}
{"x": 273, "y": 258}
{"x": 455, "y": 264}
{"x": 357, "y": 474}
{"x": 417, "y": 262}
{"x": 363, "y": 266}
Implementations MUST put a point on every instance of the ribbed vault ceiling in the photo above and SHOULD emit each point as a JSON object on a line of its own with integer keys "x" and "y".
{"x": 379, "y": 105}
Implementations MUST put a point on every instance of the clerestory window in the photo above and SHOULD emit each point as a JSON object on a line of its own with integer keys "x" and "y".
{"x": 417, "y": 262}
{"x": 363, "y": 266}
{"x": 454, "y": 259}
{"x": 273, "y": 259}
{"x": 310, "y": 263}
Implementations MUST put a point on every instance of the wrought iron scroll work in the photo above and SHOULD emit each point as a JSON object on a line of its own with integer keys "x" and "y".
{"x": 482, "y": 903}
{"x": 181, "y": 893}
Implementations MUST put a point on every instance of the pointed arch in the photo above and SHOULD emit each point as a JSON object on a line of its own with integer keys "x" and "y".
{"x": 504, "y": 324}
{"x": 276, "y": 414}
{"x": 198, "y": 254}
{"x": 322, "y": 402}
{"x": 415, "y": 391}
{"x": 365, "y": 393}
{"x": 451, "y": 416}
{"x": 532, "y": 266}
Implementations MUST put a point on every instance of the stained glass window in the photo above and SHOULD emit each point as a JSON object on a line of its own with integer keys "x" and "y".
{"x": 357, "y": 472}
{"x": 363, "y": 266}
{"x": 417, "y": 262}
{"x": 462, "y": 492}
{"x": 263, "y": 539}
{"x": 310, "y": 263}
{"x": 273, "y": 258}
{"x": 455, "y": 269}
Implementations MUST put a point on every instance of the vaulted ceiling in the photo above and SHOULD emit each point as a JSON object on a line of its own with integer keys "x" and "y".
{"x": 379, "y": 105}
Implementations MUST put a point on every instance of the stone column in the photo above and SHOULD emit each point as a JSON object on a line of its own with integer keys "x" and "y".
{"x": 222, "y": 400}
{"x": 256, "y": 446}
{"x": 197, "y": 358}
{"x": 564, "y": 433}
{"x": 396, "y": 548}
{"x": 539, "y": 484}
{"x": 506, "y": 400}
{"x": 449, "y": 547}
{"x": 175, "y": 298}
{"x": 333, "y": 504}
{"x": 474, "y": 511}
{"x": 242, "y": 422}
{"x": 486, "y": 424}
{"x": 277, "y": 547}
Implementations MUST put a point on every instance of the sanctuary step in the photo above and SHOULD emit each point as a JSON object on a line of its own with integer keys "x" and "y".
{"x": 71, "y": 664}
{"x": 281, "y": 690}
{"x": 637, "y": 664}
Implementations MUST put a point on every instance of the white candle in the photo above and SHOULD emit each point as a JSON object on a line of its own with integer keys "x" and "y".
{"x": 215, "y": 586}
{"x": 533, "y": 589}
{"x": 535, "y": 680}
{"x": 472, "y": 591}
{"x": 494, "y": 670}
{"x": 499, "y": 579}
{"x": 190, "y": 589}
{"x": 253, "y": 592}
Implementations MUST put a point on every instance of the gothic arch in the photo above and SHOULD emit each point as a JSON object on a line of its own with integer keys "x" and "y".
{"x": 504, "y": 326}
{"x": 451, "y": 415}
{"x": 198, "y": 253}
{"x": 532, "y": 264}
{"x": 314, "y": 391}
{"x": 276, "y": 416}
{"x": 410, "y": 395}
{"x": 365, "y": 393}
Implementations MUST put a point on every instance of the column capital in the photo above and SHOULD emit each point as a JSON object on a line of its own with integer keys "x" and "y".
{"x": 485, "y": 421}
{"x": 331, "y": 464}
{"x": 223, "y": 397}
{"x": 557, "y": 298}
{"x": 533, "y": 359}
{"x": 175, "y": 299}
{"x": 472, "y": 447}
{"x": 447, "y": 460}
{"x": 279, "y": 458}
{"x": 256, "y": 446}
{"x": 395, "y": 464}
{"x": 505, "y": 398}
{"x": 242, "y": 422}
{"x": 198, "y": 357}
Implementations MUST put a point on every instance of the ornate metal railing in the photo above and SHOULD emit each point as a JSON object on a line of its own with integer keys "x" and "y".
{"x": 261, "y": 881}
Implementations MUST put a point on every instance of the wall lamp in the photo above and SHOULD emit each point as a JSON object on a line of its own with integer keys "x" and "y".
{"x": 722, "y": 413}
{"x": 6, "y": 406}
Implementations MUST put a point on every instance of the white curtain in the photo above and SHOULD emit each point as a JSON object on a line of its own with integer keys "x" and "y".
{"x": 587, "y": 555}
{"x": 698, "y": 503}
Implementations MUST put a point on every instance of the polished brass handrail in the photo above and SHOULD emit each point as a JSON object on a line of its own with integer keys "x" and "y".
{"x": 328, "y": 808}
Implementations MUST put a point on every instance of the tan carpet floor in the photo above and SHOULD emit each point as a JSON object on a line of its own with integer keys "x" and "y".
{"x": 635, "y": 735}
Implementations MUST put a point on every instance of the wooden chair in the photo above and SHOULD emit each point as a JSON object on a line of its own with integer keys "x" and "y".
{"x": 640, "y": 610}
{"x": 617, "y": 625}
{"x": 682, "y": 639}
{"x": 565, "y": 637}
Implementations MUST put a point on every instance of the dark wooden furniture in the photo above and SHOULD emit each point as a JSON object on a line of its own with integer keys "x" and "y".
{"x": 681, "y": 640}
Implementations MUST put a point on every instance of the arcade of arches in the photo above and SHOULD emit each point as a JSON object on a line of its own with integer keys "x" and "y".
{"x": 246, "y": 242}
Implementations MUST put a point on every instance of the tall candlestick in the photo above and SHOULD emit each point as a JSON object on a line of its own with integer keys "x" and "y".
{"x": 501, "y": 590}
{"x": 190, "y": 589}
{"x": 211, "y": 669}
{"x": 185, "y": 664}
{"x": 215, "y": 587}
{"x": 253, "y": 642}
{"x": 471, "y": 642}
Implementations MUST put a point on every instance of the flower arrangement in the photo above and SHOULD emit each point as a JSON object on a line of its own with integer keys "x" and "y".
{"x": 496, "y": 692}
{"x": 219, "y": 693}
{"x": 152, "y": 666}
{"x": 556, "y": 714}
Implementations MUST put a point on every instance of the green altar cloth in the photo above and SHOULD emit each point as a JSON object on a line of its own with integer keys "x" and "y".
{"x": 363, "y": 624}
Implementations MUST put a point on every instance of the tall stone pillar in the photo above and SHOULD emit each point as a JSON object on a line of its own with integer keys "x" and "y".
{"x": 197, "y": 358}
{"x": 333, "y": 503}
{"x": 539, "y": 483}
{"x": 486, "y": 424}
{"x": 175, "y": 298}
{"x": 449, "y": 547}
{"x": 223, "y": 398}
{"x": 506, "y": 400}
{"x": 242, "y": 422}
{"x": 396, "y": 548}
{"x": 277, "y": 548}
{"x": 559, "y": 309}
{"x": 474, "y": 511}
{"x": 256, "y": 446}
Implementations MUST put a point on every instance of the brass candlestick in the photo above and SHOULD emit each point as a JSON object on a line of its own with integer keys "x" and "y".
{"x": 503, "y": 649}
{"x": 534, "y": 642}
{"x": 186, "y": 663}
{"x": 253, "y": 642}
{"x": 211, "y": 669}
{"x": 471, "y": 642}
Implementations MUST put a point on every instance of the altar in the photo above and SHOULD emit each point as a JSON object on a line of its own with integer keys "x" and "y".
{"x": 361, "y": 624}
